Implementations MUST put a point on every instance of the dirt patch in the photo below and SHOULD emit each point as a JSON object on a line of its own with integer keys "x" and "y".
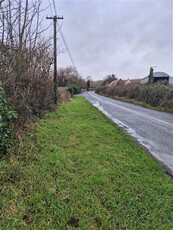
{"x": 74, "y": 222}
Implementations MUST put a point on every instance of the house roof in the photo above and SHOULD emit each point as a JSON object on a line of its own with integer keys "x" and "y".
{"x": 115, "y": 82}
{"x": 127, "y": 82}
{"x": 160, "y": 74}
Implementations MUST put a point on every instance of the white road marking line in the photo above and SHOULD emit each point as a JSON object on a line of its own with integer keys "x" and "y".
{"x": 130, "y": 110}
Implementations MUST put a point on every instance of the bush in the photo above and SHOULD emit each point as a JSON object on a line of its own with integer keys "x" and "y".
{"x": 7, "y": 116}
{"x": 73, "y": 88}
{"x": 101, "y": 90}
{"x": 63, "y": 94}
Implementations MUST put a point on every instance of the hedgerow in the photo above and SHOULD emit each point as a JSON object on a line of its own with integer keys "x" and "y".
{"x": 156, "y": 95}
{"x": 7, "y": 117}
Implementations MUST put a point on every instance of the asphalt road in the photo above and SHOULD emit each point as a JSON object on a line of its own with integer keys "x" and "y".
{"x": 152, "y": 129}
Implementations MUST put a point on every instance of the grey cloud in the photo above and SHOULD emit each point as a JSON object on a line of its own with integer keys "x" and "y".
{"x": 124, "y": 37}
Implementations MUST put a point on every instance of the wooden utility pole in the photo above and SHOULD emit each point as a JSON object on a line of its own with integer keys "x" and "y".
{"x": 55, "y": 18}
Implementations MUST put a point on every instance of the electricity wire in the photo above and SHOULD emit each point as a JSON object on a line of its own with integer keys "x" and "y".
{"x": 63, "y": 37}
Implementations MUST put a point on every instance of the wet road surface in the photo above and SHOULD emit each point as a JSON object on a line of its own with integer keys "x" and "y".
{"x": 152, "y": 129}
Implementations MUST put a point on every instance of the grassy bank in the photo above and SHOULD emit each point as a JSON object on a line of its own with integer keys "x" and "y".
{"x": 77, "y": 169}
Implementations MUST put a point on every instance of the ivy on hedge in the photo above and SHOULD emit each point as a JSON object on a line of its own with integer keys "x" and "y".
{"x": 7, "y": 117}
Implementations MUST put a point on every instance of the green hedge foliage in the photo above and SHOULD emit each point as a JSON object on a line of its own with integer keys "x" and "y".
{"x": 73, "y": 88}
{"x": 7, "y": 117}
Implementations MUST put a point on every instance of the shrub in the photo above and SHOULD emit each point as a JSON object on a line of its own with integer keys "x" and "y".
{"x": 63, "y": 94}
{"x": 101, "y": 90}
{"x": 73, "y": 88}
{"x": 7, "y": 116}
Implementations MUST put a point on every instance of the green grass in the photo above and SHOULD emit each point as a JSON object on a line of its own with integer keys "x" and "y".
{"x": 77, "y": 169}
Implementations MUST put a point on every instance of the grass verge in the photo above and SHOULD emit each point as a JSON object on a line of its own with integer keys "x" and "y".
{"x": 78, "y": 170}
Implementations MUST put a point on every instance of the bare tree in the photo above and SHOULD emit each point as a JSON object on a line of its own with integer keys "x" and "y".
{"x": 68, "y": 75}
{"x": 26, "y": 57}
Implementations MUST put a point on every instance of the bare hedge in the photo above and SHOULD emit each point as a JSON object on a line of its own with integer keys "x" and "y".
{"x": 156, "y": 95}
{"x": 26, "y": 58}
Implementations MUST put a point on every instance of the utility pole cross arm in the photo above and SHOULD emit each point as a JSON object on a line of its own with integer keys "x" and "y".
{"x": 55, "y": 17}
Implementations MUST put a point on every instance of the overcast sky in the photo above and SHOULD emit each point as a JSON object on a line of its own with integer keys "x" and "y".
{"x": 121, "y": 37}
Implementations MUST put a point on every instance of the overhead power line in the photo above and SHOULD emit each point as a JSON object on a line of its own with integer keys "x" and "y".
{"x": 63, "y": 37}
{"x": 66, "y": 45}
{"x": 54, "y": 6}
{"x": 50, "y": 5}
